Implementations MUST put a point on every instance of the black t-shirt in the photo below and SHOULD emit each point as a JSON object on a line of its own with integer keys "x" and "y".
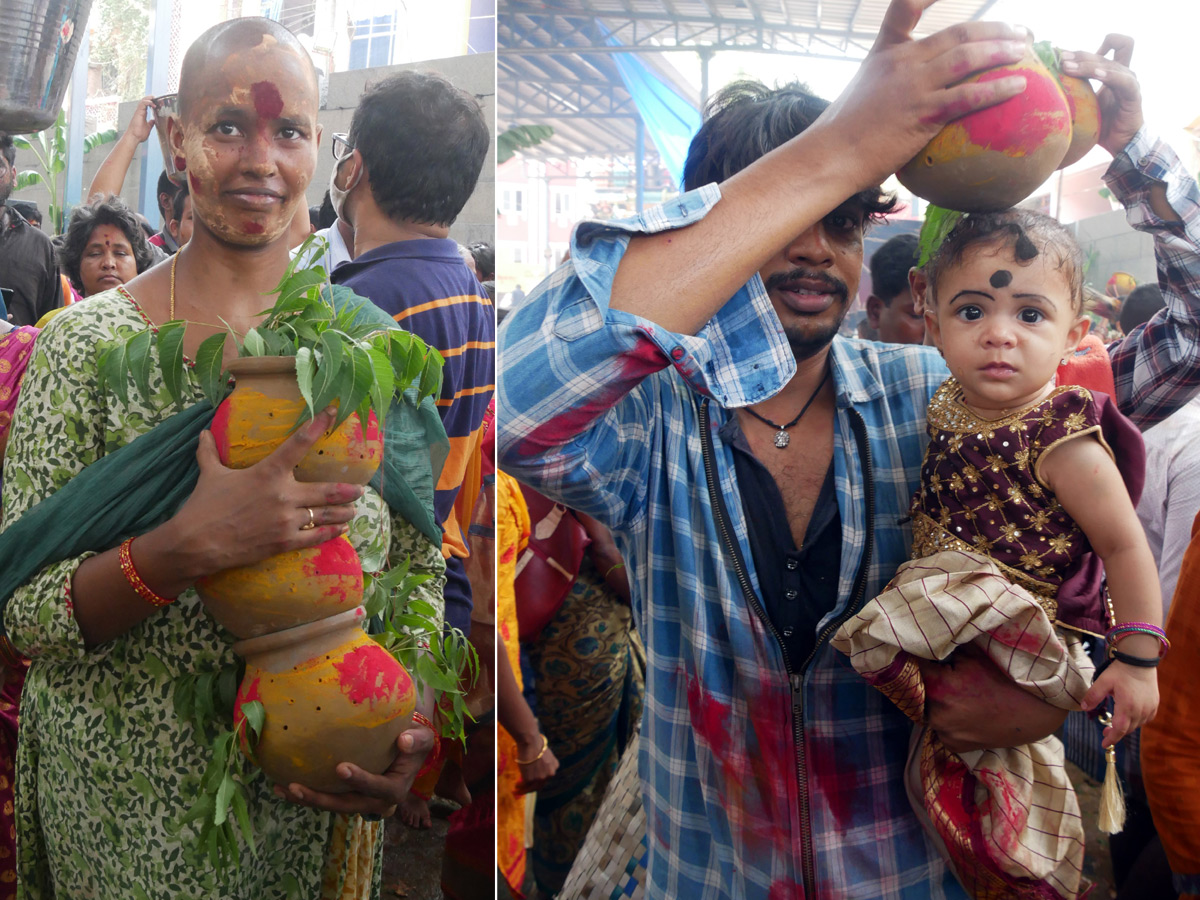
{"x": 28, "y": 270}
{"x": 798, "y": 587}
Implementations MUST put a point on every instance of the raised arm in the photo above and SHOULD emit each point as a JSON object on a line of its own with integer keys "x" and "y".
{"x": 1156, "y": 368}
{"x": 110, "y": 177}
{"x": 903, "y": 94}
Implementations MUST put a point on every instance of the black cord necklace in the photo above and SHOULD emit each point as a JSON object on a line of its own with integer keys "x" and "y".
{"x": 782, "y": 438}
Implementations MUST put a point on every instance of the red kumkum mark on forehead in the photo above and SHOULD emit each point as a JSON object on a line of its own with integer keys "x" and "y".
{"x": 267, "y": 102}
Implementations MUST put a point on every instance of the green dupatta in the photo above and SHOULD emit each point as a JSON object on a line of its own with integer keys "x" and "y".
{"x": 142, "y": 484}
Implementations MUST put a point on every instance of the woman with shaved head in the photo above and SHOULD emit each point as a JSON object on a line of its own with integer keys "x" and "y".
{"x": 106, "y": 770}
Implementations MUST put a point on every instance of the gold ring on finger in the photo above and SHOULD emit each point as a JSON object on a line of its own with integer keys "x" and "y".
{"x": 312, "y": 520}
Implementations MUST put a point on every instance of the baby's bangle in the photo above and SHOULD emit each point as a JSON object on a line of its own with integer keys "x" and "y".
{"x": 1117, "y": 632}
{"x": 1141, "y": 662}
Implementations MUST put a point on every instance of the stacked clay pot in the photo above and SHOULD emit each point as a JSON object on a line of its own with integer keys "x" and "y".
{"x": 994, "y": 158}
{"x": 330, "y": 694}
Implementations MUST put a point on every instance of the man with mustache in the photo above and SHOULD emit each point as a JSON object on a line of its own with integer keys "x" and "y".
{"x": 681, "y": 380}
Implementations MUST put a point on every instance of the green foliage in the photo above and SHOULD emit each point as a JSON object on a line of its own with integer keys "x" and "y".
{"x": 220, "y": 811}
{"x": 357, "y": 365}
{"x": 938, "y": 223}
{"x": 445, "y": 662}
{"x": 121, "y": 33}
{"x": 1048, "y": 54}
{"x": 520, "y": 137}
{"x": 50, "y": 148}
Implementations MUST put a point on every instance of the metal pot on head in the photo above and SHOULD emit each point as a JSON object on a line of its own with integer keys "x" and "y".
{"x": 39, "y": 40}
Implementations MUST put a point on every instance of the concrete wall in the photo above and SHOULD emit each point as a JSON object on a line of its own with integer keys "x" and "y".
{"x": 475, "y": 74}
{"x": 1118, "y": 247}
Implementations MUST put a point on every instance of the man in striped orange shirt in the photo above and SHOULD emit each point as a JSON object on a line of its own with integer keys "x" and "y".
{"x": 408, "y": 166}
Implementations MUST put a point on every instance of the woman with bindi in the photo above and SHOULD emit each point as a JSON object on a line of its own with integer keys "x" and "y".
{"x": 100, "y": 737}
{"x": 1025, "y": 506}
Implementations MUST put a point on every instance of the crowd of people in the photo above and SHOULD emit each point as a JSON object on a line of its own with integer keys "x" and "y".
{"x": 874, "y": 578}
{"x": 850, "y": 603}
{"x": 101, "y": 772}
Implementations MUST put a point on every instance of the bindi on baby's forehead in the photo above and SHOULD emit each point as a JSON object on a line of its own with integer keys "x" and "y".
{"x": 1001, "y": 278}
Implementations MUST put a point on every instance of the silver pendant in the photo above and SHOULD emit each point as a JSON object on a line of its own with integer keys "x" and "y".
{"x": 782, "y": 439}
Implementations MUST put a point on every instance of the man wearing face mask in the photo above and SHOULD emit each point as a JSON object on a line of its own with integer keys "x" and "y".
{"x": 400, "y": 200}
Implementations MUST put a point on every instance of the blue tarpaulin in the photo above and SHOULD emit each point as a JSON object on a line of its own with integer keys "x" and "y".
{"x": 670, "y": 120}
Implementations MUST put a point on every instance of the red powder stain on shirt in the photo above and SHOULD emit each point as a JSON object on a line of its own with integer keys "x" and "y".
{"x": 785, "y": 890}
{"x": 267, "y": 102}
{"x": 710, "y": 719}
{"x": 645, "y": 358}
{"x": 1044, "y": 114}
{"x": 368, "y": 674}
{"x": 180, "y": 164}
{"x": 508, "y": 555}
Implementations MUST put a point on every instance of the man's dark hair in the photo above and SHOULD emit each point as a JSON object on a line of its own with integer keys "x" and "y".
{"x": 1140, "y": 306}
{"x": 86, "y": 219}
{"x": 423, "y": 141}
{"x": 485, "y": 259}
{"x": 746, "y": 120}
{"x": 326, "y": 217}
{"x": 168, "y": 187}
{"x": 29, "y": 211}
{"x": 890, "y": 265}
{"x": 7, "y": 148}
{"x": 177, "y": 203}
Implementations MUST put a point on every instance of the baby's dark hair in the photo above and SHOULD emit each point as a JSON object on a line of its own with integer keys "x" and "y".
{"x": 1028, "y": 234}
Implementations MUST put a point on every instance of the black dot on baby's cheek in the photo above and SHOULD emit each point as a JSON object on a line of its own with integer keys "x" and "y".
{"x": 1001, "y": 278}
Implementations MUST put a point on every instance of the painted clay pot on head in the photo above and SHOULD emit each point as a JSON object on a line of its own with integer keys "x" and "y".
{"x": 330, "y": 695}
{"x": 262, "y": 411}
{"x": 1085, "y": 117}
{"x": 996, "y": 157}
{"x": 285, "y": 590}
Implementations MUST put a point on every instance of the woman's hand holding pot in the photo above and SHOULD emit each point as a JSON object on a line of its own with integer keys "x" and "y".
{"x": 236, "y": 517}
{"x": 371, "y": 795}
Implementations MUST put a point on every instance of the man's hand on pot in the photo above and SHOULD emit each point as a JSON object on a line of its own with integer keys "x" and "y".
{"x": 973, "y": 705}
{"x": 907, "y": 89}
{"x": 1120, "y": 97}
{"x": 372, "y": 795}
{"x": 237, "y": 517}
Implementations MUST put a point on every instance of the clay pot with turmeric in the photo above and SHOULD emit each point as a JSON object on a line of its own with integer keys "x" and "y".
{"x": 330, "y": 695}
{"x": 285, "y": 590}
{"x": 304, "y": 585}
{"x": 263, "y": 410}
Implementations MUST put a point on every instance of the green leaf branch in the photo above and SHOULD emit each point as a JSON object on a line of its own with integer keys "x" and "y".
{"x": 220, "y": 812}
{"x": 50, "y": 148}
{"x": 356, "y": 364}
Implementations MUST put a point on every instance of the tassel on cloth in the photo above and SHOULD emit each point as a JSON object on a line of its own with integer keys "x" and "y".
{"x": 1112, "y": 797}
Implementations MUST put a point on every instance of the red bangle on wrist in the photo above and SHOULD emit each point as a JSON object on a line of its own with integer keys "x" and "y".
{"x": 125, "y": 557}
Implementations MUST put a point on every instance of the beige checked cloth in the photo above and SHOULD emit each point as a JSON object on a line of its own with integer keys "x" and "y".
{"x": 1007, "y": 819}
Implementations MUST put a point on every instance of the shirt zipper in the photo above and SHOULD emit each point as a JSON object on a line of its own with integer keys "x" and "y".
{"x": 795, "y": 677}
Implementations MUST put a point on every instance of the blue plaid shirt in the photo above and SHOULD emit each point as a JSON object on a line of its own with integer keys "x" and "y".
{"x": 759, "y": 783}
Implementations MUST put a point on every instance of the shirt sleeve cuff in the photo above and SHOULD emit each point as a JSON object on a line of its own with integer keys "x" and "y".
{"x": 740, "y": 357}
